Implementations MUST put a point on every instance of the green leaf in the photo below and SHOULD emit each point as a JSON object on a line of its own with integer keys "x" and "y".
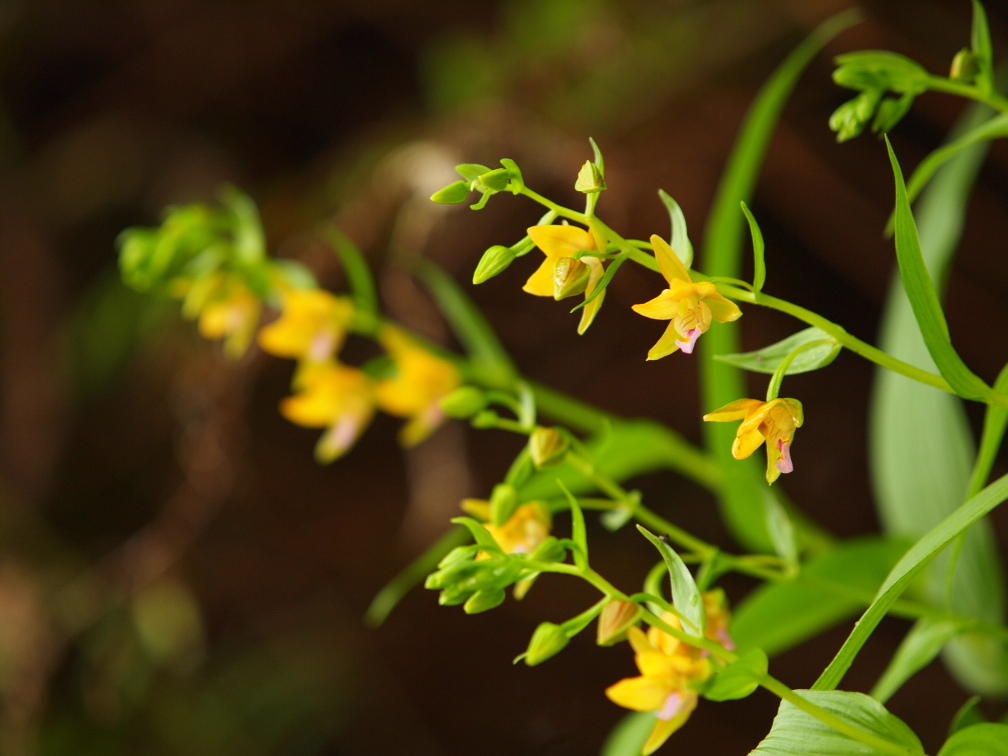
{"x": 685, "y": 594}
{"x": 918, "y": 556}
{"x": 797, "y": 733}
{"x": 779, "y": 616}
{"x": 920, "y": 441}
{"x": 603, "y": 283}
{"x": 781, "y": 529}
{"x": 249, "y": 241}
{"x": 919, "y": 648}
{"x": 741, "y": 508}
{"x": 980, "y": 44}
{"x": 759, "y": 264}
{"x": 924, "y": 298}
{"x": 628, "y": 737}
{"x": 489, "y": 358}
{"x": 984, "y": 739}
{"x": 471, "y": 171}
{"x": 740, "y": 678}
{"x": 968, "y": 715}
{"x": 679, "y": 241}
{"x": 880, "y": 69}
{"x": 985, "y": 131}
{"x": 579, "y": 533}
{"x": 515, "y": 180}
{"x": 356, "y": 268}
{"x": 597, "y": 154}
{"x": 767, "y": 359}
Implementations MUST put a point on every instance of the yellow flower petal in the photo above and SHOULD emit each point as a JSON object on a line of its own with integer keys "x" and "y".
{"x": 561, "y": 241}
{"x": 540, "y": 283}
{"x": 746, "y": 443}
{"x": 656, "y": 664}
{"x": 670, "y": 265}
{"x": 666, "y": 345}
{"x": 723, "y": 310}
{"x": 638, "y": 694}
{"x": 590, "y": 310}
{"x": 639, "y": 642}
{"x": 732, "y": 411}
{"x": 663, "y": 728}
{"x": 662, "y": 307}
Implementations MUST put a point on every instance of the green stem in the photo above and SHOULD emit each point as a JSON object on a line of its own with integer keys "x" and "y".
{"x": 950, "y": 86}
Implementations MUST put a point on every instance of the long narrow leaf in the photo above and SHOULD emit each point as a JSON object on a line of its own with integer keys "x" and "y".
{"x": 919, "y": 555}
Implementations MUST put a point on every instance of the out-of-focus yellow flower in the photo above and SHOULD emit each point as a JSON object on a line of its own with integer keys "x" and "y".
{"x": 668, "y": 668}
{"x": 311, "y": 327}
{"x": 528, "y": 527}
{"x": 718, "y": 617}
{"x": 225, "y": 307}
{"x": 690, "y": 306}
{"x": 774, "y": 422}
{"x": 335, "y": 397}
{"x": 564, "y": 241}
{"x": 525, "y": 529}
{"x": 421, "y": 380}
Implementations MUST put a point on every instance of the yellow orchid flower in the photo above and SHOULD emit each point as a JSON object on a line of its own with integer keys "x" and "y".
{"x": 311, "y": 327}
{"x": 668, "y": 667}
{"x": 421, "y": 380}
{"x": 231, "y": 312}
{"x": 690, "y": 306}
{"x": 774, "y": 422}
{"x": 332, "y": 396}
{"x": 522, "y": 533}
{"x": 558, "y": 241}
{"x": 524, "y": 530}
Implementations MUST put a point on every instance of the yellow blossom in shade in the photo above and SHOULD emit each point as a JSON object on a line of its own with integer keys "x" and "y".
{"x": 528, "y": 527}
{"x": 773, "y": 422}
{"x": 421, "y": 379}
{"x": 690, "y": 306}
{"x": 335, "y": 397}
{"x": 232, "y": 314}
{"x": 669, "y": 669}
{"x": 558, "y": 241}
{"x": 311, "y": 326}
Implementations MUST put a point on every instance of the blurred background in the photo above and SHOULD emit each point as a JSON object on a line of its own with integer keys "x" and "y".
{"x": 177, "y": 576}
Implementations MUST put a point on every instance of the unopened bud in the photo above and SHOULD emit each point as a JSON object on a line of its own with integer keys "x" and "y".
{"x": 485, "y": 419}
{"x": 493, "y": 181}
{"x": 494, "y": 261}
{"x": 463, "y": 402}
{"x": 550, "y": 550}
{"x": 503, "y": 503}
{"x": 547, "y": 640}
{"x": 570, "y": 277}
{"x": 547, "y": 447}
{"x": 616, "y": 617}
{"x": 484, "y": 600}
{"x": 964, "y": 66}
{"x": 589, "y": 178}
{"x": 452, "y": 194}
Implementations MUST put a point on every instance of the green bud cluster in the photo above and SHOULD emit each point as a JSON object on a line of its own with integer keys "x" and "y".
{"x": 875, "y": 74}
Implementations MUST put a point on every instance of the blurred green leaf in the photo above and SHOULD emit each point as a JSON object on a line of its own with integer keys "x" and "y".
{"x": 980, "y": 45}
{"x": 779, "y": 616}
{"x": 984, "y": 739}
{"x": 919, "y": 648}
{"x": 741, "y": 508}
{"x": 628, "y": 737}
{"x": 795, "y": 733}
{"x": 679, "y": 240}
{"x": 579, "y": 533}
{"x": 685, "y": 594}
{"x": 759, "y": 264}
{"x": 968, "y": 715}
{"x": 739, "y": 679}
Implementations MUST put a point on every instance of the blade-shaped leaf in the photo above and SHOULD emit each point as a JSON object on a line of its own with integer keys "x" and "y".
{"x": 579, "y": 533}
{"x": 680, "y": 241}
{"x": 723, "y": 383}
{"x": 797, "y": 733}
{"x": 919, "y": 555}
{"x": 759, "y": 264}
{"x": 984, "y": 739}
{"x": 919, "y": 648}
{"x": 740, "y": 678}
{"x": 628, "y": 737}
{"x": 767, "y": 359}
{"x": 685, "y": 594}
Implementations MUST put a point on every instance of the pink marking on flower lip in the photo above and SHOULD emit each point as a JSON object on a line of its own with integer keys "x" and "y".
{"x": 784, "y": 464}
{"x": 691, "y": 336}
{"x": 673, "y": 703}
{"x": 321, "y": 346}
{"x": 726, "y": 641}
{"x": 342, "y": 435}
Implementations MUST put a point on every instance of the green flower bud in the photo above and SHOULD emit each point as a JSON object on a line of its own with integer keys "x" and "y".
{"x": 589, "y": 178}
{"x": 484, "y": 600}
{"x": 550, "y": 550}
{"x": 547, "y": 640}
{"x": 570, "y": 277}
{"x": 503, "y": 503}
{"x": 616, "y": 617}
{"x": 547, "y": 447}
{"x": 463, "y": 402}
{"x": 494, "y": 261}
{"x": 471, "y": 171}
{"x": 964, "y": 66}
{"x": 485, "y": 419}
{"x": 493, "y": 181}
{"x": 452, "y": 194}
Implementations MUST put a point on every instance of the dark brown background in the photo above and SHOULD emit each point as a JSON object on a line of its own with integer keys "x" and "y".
{"x": 137, "y": 463}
